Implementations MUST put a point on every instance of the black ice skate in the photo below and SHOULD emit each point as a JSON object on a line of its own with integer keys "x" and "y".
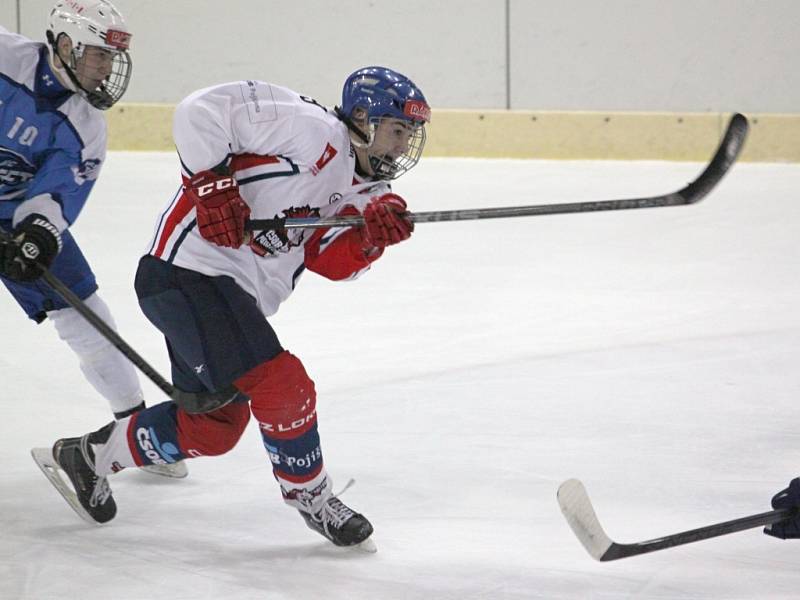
{"x": 341, "y": 525}
{"x": 90, "y": 495}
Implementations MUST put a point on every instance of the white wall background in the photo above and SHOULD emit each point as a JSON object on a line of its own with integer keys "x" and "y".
{"x": 640, "y": 55}
{"x": 8, "y": 14}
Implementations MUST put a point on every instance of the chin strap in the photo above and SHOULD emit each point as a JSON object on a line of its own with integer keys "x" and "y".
{"x": 357, "y": 130}
{"x": 350, "y": 125}
{"x": 64, "y": 66}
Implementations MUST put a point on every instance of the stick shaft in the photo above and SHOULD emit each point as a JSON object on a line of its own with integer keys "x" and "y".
{"x": 478, "y": 213}
{"x": 726, "y": 154}
{"x": 617, "y": 551}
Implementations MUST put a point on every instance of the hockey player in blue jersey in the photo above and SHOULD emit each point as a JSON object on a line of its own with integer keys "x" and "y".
{"x": 52, "y": 148}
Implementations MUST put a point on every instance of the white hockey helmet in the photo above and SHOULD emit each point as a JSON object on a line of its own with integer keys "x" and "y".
{"x": 93, "y": 23}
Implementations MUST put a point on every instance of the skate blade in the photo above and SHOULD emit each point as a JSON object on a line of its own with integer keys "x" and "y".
{"x": 176, "y": 470}
{"x": 44, "y": 458}
{"x": 367, "y": 546}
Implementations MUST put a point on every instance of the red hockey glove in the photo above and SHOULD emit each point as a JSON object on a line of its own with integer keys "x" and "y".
{"x": 384, "y": 224}
{"x": 221, "y": 212}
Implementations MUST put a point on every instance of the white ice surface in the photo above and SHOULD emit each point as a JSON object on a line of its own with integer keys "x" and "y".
{"x": 652, "y": 353}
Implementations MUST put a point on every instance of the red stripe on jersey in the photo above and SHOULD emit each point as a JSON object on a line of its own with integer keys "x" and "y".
{"x": 241, "y": 162}
{"x": 176, "y": 215}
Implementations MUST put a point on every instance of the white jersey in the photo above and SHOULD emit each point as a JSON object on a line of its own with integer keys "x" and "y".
{"x": 291, "y": 158}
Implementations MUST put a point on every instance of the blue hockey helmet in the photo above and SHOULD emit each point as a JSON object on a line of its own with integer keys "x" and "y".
{"x": 383, "y": 94}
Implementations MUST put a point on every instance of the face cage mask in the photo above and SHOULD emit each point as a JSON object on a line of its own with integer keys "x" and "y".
{"x": 112, "y": 88}
{"x": 388, "y": 168}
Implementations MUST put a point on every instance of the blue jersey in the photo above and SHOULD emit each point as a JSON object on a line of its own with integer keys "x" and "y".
{"x": 52, "y": 141}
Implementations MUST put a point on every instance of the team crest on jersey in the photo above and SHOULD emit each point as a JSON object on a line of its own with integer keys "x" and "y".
{"x": 88, "y": 170}
{"x": 15, "y": 171}
{"x": 274, "y": 241}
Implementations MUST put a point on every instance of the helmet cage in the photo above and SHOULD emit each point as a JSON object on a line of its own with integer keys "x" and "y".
{"x": 385, "y": 94}
{"x": 112, "y": 88}
{"x": 387, "y": 167}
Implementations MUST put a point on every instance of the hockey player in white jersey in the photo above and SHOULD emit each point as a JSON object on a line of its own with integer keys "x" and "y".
{"x": 52, "y": 147}
{"x": 253, "y": 149}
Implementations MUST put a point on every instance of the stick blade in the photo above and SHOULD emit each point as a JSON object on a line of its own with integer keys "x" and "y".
{"x": 578, "y": 510}
{"x": 730, "y": 147}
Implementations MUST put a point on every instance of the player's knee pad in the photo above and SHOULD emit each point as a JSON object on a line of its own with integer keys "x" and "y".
{"x": 213, "y": 433}
{"x": 282, "y": 396}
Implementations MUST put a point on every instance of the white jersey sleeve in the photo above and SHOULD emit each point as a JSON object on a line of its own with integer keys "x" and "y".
{"x": 215, "y": 124}
{"x": 18, "y": 57}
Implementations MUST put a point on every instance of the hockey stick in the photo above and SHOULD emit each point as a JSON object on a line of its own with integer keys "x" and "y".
{"x": 726, "y": 154}
{"x": 578, "y": 510}
{"x": 194, "y": 403}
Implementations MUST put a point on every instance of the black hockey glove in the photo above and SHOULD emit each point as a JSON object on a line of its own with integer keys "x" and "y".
{"x": 788, "y": 498}
{"x": 32, "y": 245}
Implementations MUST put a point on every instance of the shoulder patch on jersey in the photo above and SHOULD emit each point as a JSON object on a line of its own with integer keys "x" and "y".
{"x": 259, "y": 101}
{"x": 327, "y": 156}
{"x": 88, "y": 170}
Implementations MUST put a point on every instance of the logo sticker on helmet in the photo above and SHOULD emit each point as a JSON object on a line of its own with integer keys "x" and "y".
{"x": 418, "y": 110}
{"x": 118, "y": 39}
{"x": 76, "y": 6}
